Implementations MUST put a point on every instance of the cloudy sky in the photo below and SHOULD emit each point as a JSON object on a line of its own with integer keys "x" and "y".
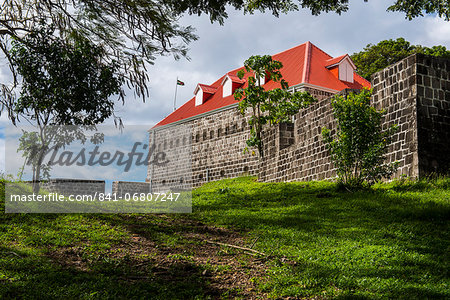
{"x": 223, "y": 48}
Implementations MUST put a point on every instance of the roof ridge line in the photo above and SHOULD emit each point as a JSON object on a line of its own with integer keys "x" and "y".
{"x": 292, "y": 48}
{"x": 307, "y": 63}
{"x": 323, "y": 51}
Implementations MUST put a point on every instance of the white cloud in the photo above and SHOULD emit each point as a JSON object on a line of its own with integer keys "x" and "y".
{"x": 437, "y": 31}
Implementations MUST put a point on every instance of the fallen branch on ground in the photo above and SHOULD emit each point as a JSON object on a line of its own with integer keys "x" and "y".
{"x": 237, "y": 247}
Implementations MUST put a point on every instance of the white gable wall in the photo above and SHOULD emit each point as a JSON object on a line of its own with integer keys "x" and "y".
{"x": 227, "y": 87}
{"x": 346, "y": 71}
{"x": 199, "y": 97}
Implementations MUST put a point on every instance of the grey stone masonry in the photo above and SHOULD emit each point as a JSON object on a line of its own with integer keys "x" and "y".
{"x": 395, "y": 91}
{"x": 170, "y": 164}
{"x": 433, "y": 114}
{"x": 305, "y": 156}
{"x": 75, "y": 187}
{"x": 215, "y": 144}
{"x": 128, "y": 188}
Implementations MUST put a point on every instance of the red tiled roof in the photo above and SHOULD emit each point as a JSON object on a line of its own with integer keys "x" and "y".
{"x": 235, "y": 78}
{"x": 305, "y": 63}
{"x": 206, "y": 88}
{"x": 335, "y": 60}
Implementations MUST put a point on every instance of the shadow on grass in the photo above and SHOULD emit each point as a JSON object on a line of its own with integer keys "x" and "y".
{"x": 29, "y": 276}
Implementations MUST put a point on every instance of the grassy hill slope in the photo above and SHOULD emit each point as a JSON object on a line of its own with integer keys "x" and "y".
{"x": 392, "y": 241}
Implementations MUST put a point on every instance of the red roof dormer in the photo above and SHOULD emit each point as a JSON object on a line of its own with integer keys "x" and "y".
{"x": 342, "y": 67}
{"x": 230, "y": 83}
{"x": 203, "y": 92}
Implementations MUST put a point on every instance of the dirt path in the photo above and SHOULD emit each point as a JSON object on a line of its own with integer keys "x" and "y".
{"x": 174, "y": 251}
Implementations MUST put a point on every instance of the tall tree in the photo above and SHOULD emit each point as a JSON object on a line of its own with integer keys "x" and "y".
{"x": 375, "y": 58}
{"x": 266, "y": 107}
{"x": 62, "y": 84}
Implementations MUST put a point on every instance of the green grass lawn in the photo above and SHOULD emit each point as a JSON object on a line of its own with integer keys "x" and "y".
{"x": 392, "y": 241}
{"x": 388, "y": 242}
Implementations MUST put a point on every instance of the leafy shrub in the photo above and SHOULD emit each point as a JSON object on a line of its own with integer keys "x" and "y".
{"x": 358, "y": 151}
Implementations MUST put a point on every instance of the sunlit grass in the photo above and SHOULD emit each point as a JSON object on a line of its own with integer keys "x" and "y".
{"x": 391, "y": 241}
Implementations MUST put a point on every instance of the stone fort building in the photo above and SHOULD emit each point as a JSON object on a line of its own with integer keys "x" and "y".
{"x": 210, "y": 131}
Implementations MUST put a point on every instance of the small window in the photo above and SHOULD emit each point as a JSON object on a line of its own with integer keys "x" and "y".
{"x": 197, "y": 138}
{"x": 219, "y": 132}
{"x": 204, "y": 135}
{"x": 234, "y": 128}
{"x": 211, "y": 134}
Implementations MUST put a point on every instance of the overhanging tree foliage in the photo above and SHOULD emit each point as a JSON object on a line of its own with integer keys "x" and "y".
{"x": 375, "y": 58}
{"x": 266, "y": 107}
{"x": 134, "y": 32}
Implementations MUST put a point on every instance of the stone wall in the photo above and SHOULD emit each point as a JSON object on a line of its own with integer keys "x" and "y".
{"x": 305, "y": 158}
{"x": 433, "y": 114}
{"x": 395, "y": 91}
{"x": 217, "y": 151}
{"x": 68, "y": 187}
{"x": 317, "y": 94}
{"x": 171, "y": 162}
{"x": 121, "y": 188}
{"x": 215, "y": 144}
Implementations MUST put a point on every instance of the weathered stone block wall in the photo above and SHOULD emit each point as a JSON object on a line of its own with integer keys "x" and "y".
{"x": 395, "y": 91}
{"x": 75, "y": 187}
{"x": 433, "y": 114}
{"x": 217, "y": 150}
{"x": 306, "y": 158}
{"x": 215, "y": 144}
{"x": 121, "y": 188}
{"x": 317, "y": 94}
{"x": 170, "y": 165}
